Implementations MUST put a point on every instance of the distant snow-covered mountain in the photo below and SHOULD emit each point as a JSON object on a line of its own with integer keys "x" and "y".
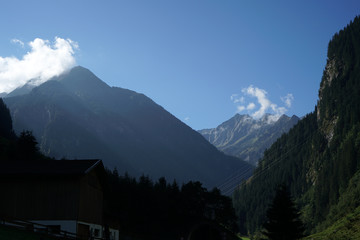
{"x": 247, "y": 138}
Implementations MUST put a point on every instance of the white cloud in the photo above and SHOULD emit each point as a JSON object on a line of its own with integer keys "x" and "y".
{"x": 236, "y": 99}
{"x": 44, "y": 60}
{"x": 240, "y": 108}
{"x": 266, "y": 106}
{"x": 17, "y": 41}
{"x": 187, "y": 119}
{"x": 251, "y": 106}
{"x": 288, "y": 99}
{"x": 260, "y": 94}
{"x": 233, "y": 96}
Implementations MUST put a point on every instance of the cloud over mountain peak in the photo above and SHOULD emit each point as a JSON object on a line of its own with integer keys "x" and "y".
{"x": 263, "y": 104}
{"x": 43, "y": 61}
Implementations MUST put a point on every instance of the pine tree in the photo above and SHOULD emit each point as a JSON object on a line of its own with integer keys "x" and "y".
{"x": 6, "y": 128}
{"x": 283, "y": 218}
{"x": 27, "y": 146}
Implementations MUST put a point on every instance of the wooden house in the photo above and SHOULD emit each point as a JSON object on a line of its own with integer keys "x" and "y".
{"x": 67, "y": 194}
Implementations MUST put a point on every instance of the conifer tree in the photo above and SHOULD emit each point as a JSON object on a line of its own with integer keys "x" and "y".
{"x": 27, "y": 146}
{"x": 6, "y": 128}
{"x": 283, "y": 218}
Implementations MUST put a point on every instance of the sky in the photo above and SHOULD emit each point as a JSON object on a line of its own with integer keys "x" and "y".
{"x": 203, "y": 61}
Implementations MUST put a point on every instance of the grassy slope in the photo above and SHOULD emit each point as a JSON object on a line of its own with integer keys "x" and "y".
{"x": 347, "y": 227}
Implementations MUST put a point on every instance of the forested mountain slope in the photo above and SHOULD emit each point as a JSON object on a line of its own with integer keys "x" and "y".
{"x": 16, "y": 148}
{"x": 319, "y": 159}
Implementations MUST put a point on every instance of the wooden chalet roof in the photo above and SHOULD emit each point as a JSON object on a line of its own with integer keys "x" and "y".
{"x": 48, "y": 167}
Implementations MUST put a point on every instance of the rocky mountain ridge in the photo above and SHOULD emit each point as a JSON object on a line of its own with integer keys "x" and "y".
{"x": 247, "y": 138}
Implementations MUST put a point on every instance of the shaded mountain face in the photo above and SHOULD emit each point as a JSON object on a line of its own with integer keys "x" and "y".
{"x": 247, "y": 138}
{"x": 76, "y": 115}
{"x": 25, "y": 89}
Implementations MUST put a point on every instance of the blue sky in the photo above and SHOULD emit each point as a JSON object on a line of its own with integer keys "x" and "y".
{"x": 203, "y": 61}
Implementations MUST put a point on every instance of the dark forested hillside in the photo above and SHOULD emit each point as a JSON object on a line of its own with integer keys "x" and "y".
{"x": 319, "y": 159}
{"x": 6, "y": 133}
{"x": 16, "y": 148}
{"x": 162, "y": 210}
{"x": 6, "y": 128}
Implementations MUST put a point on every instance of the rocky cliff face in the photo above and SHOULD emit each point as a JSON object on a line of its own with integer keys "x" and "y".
{"x": 324, "y": 114}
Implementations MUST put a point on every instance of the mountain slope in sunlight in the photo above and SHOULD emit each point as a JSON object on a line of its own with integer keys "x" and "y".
{"x": 247, "y": 138}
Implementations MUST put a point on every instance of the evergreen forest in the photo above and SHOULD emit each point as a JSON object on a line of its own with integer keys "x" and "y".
{"x": 164, "y": 210}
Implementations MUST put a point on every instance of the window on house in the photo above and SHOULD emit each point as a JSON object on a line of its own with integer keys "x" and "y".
{"x": 96, "y": 232}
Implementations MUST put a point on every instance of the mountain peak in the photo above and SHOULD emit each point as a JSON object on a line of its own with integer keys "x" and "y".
{"x": 25, "y": 89}
{"x": 245, "y": 137}
{"x": 80, "y": 78}
{"x": 268, "y": 118}
{"x": 77, "y": 79}
{"x": 79, "y": 70}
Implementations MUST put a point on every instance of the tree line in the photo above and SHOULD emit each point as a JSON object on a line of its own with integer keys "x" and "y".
{"x": 164, "y": 210}
{"x": 13, "y": 147}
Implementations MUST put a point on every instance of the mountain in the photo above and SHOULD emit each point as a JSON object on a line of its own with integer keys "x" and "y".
{"x": 21, "y": 90}
{"x": 247, "y": 138}
{"x": 319, "y": 159}
{"x": 77, "y": 115}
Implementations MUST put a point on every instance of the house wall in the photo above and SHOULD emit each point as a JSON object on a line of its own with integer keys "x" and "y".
{"x": 91, "y": 199}
{"x": 74, "y": 203}
{"x": 40, "y": 198}
{"x": 114, "y": 234}
{"x": 100, "y": 230}
{"x": 65, "y": 225}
